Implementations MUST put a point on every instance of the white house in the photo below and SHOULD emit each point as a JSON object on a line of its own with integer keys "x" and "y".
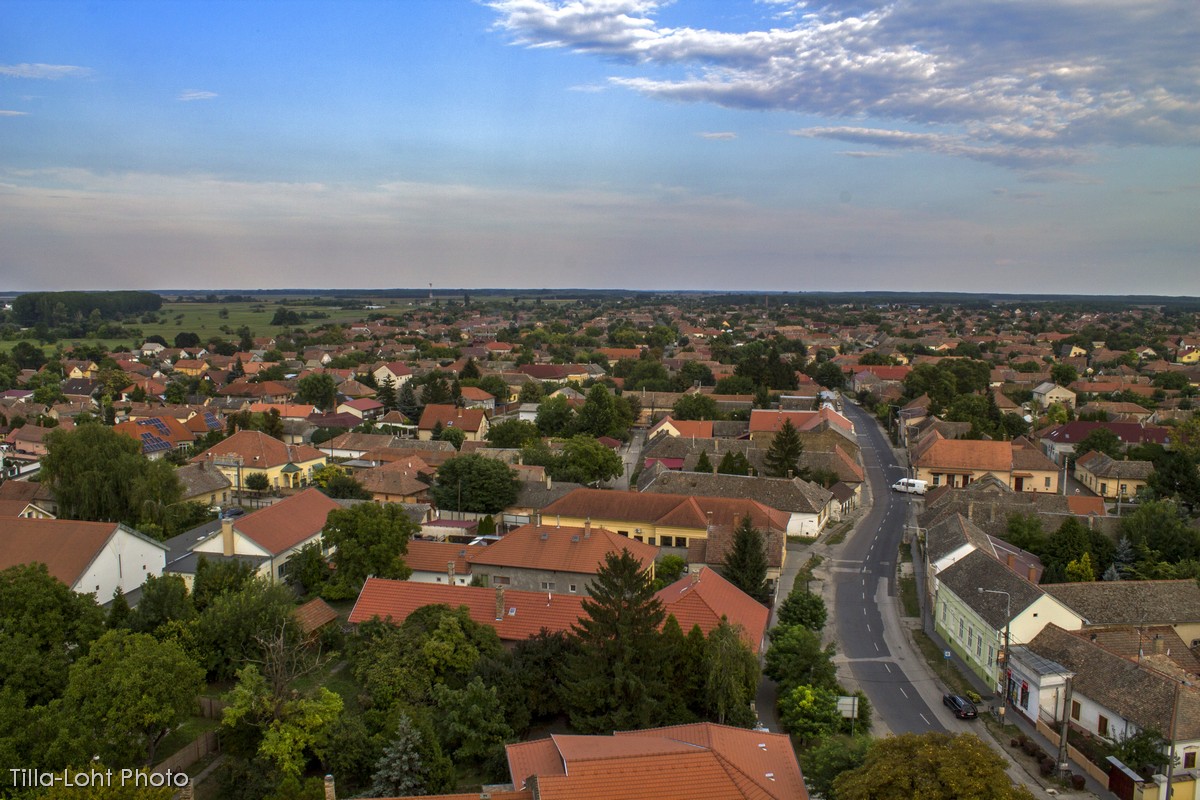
{"x": 91, "y": 557}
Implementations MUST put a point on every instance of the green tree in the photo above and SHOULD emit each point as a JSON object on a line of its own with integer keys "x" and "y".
{"x": 809, "y": 712}
{"x": 46, "y": 627}
{"x": 1063, "y": 374}
{"x": 455, "y": 436}
{"x": 317, "y": 389}
{"x": 385, "y": 393}
{"x": 475, "y": 483}
{"x": 215, "y": 578}
{"x": 99, "y": 474}
{"x": 745, "y": 565}
{"x": 308, "y": 571}
{"x": 406, "y": 401}
{"x": 796, "y": 657}
{"x": 615, "y": 681}
{"x": 1025, "y": 531}
{"x": 730, "y": 676}
{"x": 369, "y": 539}
{"x": 670, "y": 568}
{"x": 257, "y": 482}
{"x": 339, "y": 484}
{"x": 164, "y": 598}
{"x": 803, "y": 608}
{"x": 227, "y": 632}
{"x": 555, "y": 416}
{"x": 1144, "y": 751}
{"x": 401, "y": 770}
{"x": 733, "y": 463}
{"x": 1080, "y": 570}
{"x": 598, "y": 416}
{"x": 513, "y": 433}
{"x": 1175, "y": 475}
{"x": 470, "y": 371}
{"x": 472, "y": 724}
{"x": 531, "y": 392}
{"x": 831, "y": 757}
{"x": 585, "y": 460}
{"x": 931, "y": 766}
{"x": 783, "y": 456}
{"x": 272, "y": 424}
{"x": 130, "y": 691}
{"x": 118, "y": 611}
{"x": 1099, "y": 440}
{"x": 703, "y": 464}
{"x": 695, "y": 406}
{"x": 290, "y": 727}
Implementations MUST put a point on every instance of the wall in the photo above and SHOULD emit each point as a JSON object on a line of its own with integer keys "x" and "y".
{"x": 125, "y": 560}
{"x": 532, "y": 580}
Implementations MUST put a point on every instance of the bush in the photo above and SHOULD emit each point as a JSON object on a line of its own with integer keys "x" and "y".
{"x": 974, "y": 697}
{"x": 1078, "y": 782}
{"x": 1046, "y": 767}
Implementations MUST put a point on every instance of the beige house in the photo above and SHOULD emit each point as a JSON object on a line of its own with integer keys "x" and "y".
{"x": 471, "y": 421}
{"x": 1110, "y": 478}
{"x": 1048, "y": 393}
{"x": 961, "y": 462}
{"x": 287, "y": 466}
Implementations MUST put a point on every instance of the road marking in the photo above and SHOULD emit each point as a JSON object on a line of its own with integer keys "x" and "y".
{"x": 888, "y": 667}
{"x": 927, "y": 722}
{"x": 868, "y": 629}
{"x": 901, "y": 688}
{"x": 876, "y": 646}
{"x": 864, "y": 610}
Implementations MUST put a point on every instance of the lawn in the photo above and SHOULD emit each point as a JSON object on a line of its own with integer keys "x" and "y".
{"x": 908, "y": 596}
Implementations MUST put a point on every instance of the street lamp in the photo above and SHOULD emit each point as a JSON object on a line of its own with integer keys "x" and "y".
{"x": 1007, "y": 631}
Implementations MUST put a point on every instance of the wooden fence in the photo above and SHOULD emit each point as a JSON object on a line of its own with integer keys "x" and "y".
{"x": 1080, "y": 760}
{"x": 204, "y": 744}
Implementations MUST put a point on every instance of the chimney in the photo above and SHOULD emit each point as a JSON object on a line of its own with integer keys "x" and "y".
{"x": 450, "y": 571}
{"x": 330, "y": 790}
{"x": 696, "y": 574}
{"x": 499, "y": 603}
{"x": 227, "y": 537}
{"x": 1159, "y": 644}
{"x": 587, "y": 527}
{"x": 708, "y": 527}
{"x": 1031, "y": 574}
{"x": 971, "y": 509}
{"x": 549, "y": 481}
{"x": 557, "y": 521}
{"x": 1012, "y": 558}
{"x": 790, "y": 474}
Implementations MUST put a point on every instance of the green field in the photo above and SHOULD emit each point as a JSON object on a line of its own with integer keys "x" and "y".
{"x": 205, "y": 320}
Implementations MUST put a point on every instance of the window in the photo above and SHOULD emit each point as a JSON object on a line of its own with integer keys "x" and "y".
{"x": 1102, "y": 725}
{"x": 652, "y": 541}
{"x": 991, "y": 655}
{"x": 1189, "y": 760}
{"x": 979, "y": 647}
{"x": 501, "y": 580}
{"x": 637, "y": 537}
{"x": 960, "y": 627}
{"x": 624, "y": 533}
{"x": 547, "y": 586}
{"x": 937, "y": 479}
{"x": 1024, "y": 695}
{"x": 1124, "y": 488}
{"x": 1047, "y": 481}
{"x": 572, "y": 588}
{"x": 1103, "y": 489}
{"x": 1075, "y": 710}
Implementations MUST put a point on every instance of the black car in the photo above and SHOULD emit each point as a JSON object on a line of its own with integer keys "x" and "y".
{"x": 961, "y": 706}
{"x": 230, "y": 513}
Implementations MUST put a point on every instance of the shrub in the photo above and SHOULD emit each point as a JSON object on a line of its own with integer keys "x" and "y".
{"x": 1078, "y": 782}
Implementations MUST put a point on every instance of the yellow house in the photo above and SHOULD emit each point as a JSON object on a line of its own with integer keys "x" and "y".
{"x": 961, "y": 462}
{"x": 471, "y": 421}
{"x": 245, "y": 453}
{"x": 1112, "y": 479}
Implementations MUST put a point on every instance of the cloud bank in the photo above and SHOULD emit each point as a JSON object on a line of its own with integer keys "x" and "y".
{"x": 1020, "y": 83}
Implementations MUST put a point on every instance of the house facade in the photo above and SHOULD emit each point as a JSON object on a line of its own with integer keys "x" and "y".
{"x": 961, "y": 462}
{"x": 1110, "y": 478}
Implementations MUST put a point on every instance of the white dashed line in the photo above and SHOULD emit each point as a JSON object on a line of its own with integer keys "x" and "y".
{"x": 927, "y": 722}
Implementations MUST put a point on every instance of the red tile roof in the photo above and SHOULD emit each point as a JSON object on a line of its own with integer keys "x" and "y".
{"x": 314, "y": 615}
{"x": 703, "y": 597}
{"x": 288, "y": 523}
{"x": 678, "y": 510}
{"x": 770, "y": 421}
{"x": 561, "y": 549}
{"x": 525, "y": 613}
{"x": 427, "y": 556}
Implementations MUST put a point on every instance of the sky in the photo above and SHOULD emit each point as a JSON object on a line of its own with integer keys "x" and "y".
{"x": 765, "y": 145}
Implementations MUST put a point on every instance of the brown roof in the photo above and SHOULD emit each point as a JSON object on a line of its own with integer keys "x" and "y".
{"x": 467, "y": 419}
{"x": 261, "y": 451}
{"x": 967, "y": 454}
{"x": 427, "y": 556}
{"x": 561, "y": 549}
{"x": 525, "y": 613}
{"x": 314, "y": 615}
{"x": 396, "y": 477}
{"x": 1131, "y": 602}
{"x": 66, "y": 547}
{"x": 288, "y": 523}
{"x": 704, "y": 597}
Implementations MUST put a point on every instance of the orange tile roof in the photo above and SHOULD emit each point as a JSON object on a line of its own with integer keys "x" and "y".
{"x": 1083, "y": 506}
{"x": 533, "y": 610}
{"x": 703, "y": 761}
{"x": 260, "y": 451}
{"x": 677, "y": 510}
{"x": 770, "y": 421}
{"x": 561, "y": 549}
{"x": 703, "y": 598}
{"x": 288, "y": 523}
{"x": 66, "y": 547}
{"x": 427, "y": 556}
{"x": 967, "y": 454}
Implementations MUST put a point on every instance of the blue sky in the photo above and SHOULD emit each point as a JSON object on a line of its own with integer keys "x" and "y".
{"x": 971, "y": 145}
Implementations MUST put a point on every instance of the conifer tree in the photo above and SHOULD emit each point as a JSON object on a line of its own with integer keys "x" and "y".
{"x": 745, "y": 565}
{"x": 703, "y": 464}
{"x": 783, "y": 456}
{"x": 400, "y": 770}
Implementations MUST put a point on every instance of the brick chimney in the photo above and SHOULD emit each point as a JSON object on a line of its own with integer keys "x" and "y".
{"x": 1031, "y": 574}
{"x": 499, "y": 603}
{"x": 227, "y": 546}
{"x": 696, "y": 574}
{"x": 450, "y": 571}
{"x": 1012, "y": 559}
{"x": 587, "y": 527}
{"x": 330, "y": 789}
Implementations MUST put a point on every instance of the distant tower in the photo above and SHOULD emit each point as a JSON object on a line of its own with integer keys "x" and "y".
{"x": 431, "y": 291}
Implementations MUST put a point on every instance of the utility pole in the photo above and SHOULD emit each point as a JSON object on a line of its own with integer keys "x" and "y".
{"x": 1171, "y": 757}
{"x": 1066, "y": 722}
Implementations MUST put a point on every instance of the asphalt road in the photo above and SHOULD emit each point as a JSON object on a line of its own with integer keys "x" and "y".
{"x": 864, "y": 578}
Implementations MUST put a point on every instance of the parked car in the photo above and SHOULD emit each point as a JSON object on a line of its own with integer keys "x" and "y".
{"x": 961, "y": 706}
{"x": 910, "y": 486}
{"x": 230, "y": 513}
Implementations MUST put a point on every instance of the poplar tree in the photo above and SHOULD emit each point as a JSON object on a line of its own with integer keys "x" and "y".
{"x": 745, "y": 565}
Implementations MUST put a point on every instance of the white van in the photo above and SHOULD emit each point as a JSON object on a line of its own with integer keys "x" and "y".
{"x": 910, "y": 486}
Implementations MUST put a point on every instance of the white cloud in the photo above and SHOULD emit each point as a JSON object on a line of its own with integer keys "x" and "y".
{"x": 1020, "y": 82}
{"x": 50, "y": 72}
{"x": 718, "y": 136}
{"x": 6, "y": 113}
{"x": 196, "y": 94}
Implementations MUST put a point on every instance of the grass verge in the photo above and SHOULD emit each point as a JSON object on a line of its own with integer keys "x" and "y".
{"x": 945, "y": 669}
{"x": 909, "y": 602}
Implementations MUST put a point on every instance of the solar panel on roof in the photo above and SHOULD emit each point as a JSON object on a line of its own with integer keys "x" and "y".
{"x": 153, "y": 444}
{"x": 157, "y": 424}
